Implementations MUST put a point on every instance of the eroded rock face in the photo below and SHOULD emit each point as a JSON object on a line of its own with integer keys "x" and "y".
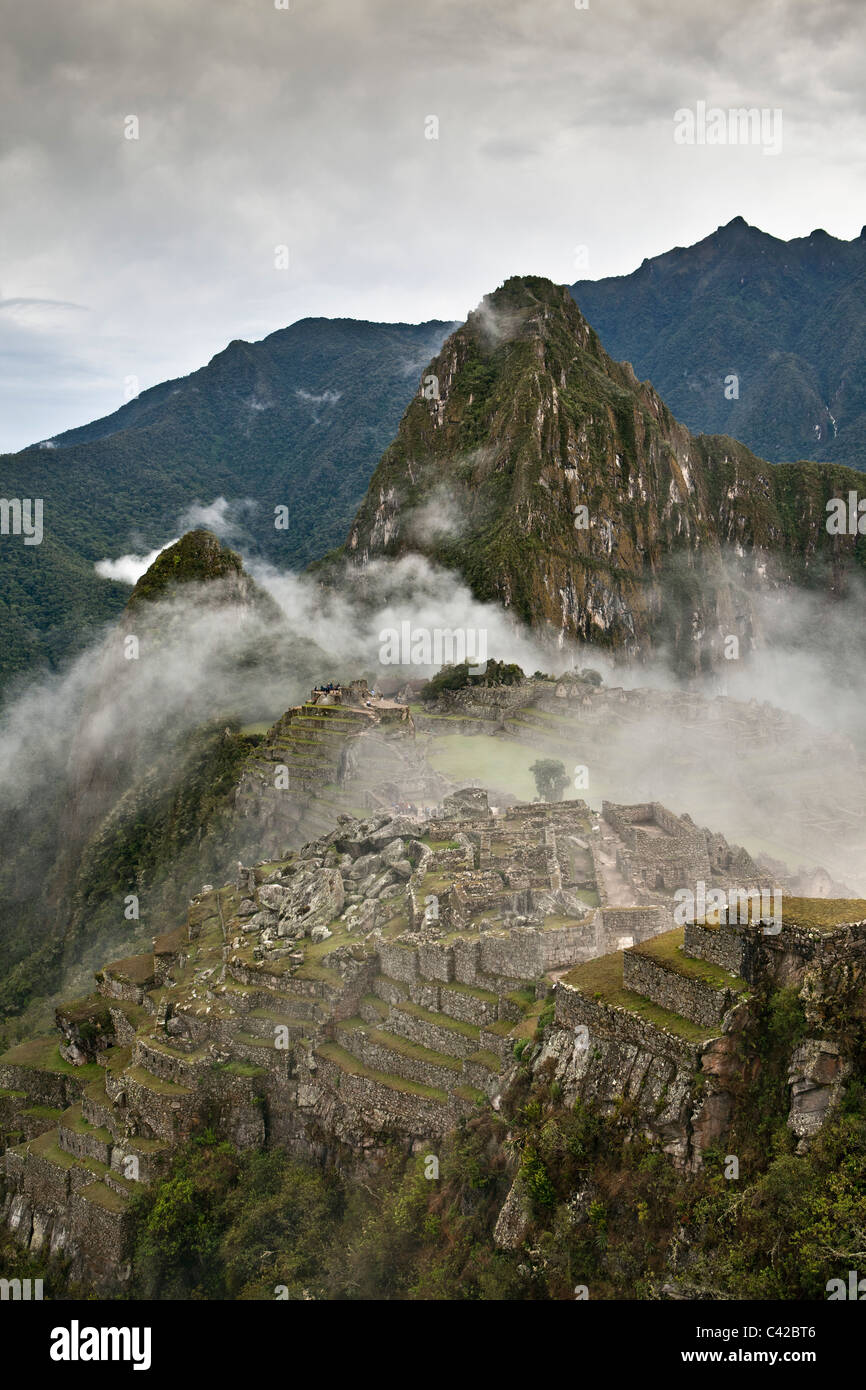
{"x": 514, "y": 1220}
{"x": 711, "y": 1121}
{"x": 816, "y": 1075}
{"x": 313, "y": 897}
{"x": 609, "y": 1069}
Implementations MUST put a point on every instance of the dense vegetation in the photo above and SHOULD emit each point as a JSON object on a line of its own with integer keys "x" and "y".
{"x": 297, "y": 420}
{"x": 168, "y": 833}
{"x": 460, "y": 678}
{"x": 786, "y": 317}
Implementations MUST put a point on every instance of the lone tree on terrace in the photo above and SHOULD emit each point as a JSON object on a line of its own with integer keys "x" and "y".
{"x": 551, "y": 778}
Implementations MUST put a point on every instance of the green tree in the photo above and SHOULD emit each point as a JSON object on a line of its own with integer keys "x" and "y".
{"x": 551, "y": 778}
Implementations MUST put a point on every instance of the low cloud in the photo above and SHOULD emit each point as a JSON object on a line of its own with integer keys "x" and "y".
{"x": 128, "y": 569}
{"x": 226, "y": 518}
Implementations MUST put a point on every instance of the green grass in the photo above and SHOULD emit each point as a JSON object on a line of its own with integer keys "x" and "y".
{"x": 43, "y": 1053}
{"x": 492, "y": 762}
{"x": 156, "y": 1083}
{"x": 49, "y": 1113}
{"x": 524, "y": 998}
{"x": 471, "y": 1093}
{"x": 436, "y": 882}
{"x": 455, "y": 1025}
{"x": 557, "y": 922}
{"x": 822, "y": 913}
{"x": 137, "y": 969}
{"x": 404, "y": 1046}
{"x": 74, "y": 1120}
{"x": 588, "y": 896}
{"x": 378, "y": 1005}
{"x": 343, "y": 1059}
{"x": 668, "y": 950}
{"x": 46, "y": 1146}
{"x": 601, "y": 979}
{"x": 526, "y": 1027}
{"x": 455, "y": 987}
{"x": 104, "y": 1196}
{"x": 488, "y": 1059}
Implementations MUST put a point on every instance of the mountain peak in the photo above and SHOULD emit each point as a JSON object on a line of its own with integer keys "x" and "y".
{"x": 561, "y": 487}
{"x": 199, "y": 556}
{"x": 519, "y": 308}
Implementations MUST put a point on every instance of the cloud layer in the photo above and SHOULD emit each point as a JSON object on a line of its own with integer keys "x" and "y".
{"x": 305, "y": 128}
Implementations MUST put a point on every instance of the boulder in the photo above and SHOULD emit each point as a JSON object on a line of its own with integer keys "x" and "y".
{"x": 816, "y": 1075}
{"x": 514, "y": 1220}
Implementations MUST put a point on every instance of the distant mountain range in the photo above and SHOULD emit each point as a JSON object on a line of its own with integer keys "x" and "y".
{"x": 296, "y": 420}
{"x": 742, "y": 334}
{"x": 786, "y": 318}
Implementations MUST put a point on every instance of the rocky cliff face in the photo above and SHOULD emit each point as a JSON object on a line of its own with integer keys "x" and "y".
{"x": 563, "y": 488}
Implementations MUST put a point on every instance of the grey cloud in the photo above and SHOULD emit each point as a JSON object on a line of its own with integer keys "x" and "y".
{"x": 306, "y": 127}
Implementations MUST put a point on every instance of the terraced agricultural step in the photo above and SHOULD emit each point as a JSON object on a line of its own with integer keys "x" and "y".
{"x": 374, "y": 1010}
{"x": 390, "y": 990}
{"x": 57, "y": 1172}
{"x": 434, "y": 1030}
{"x": 592, "y": 994}
{"x": 265, "y": 1023}
{"x": 97, "y": 1108}
{"x": 140, "y": 1160}
{"x": 723, "y": 945}
{"x": 163, "y": 1107}
{"x": 695, "y": 989}
{"x": 78, "y": 1137}
{"x": 467, "y": 1003}
{"x": 353, "y": 1066}
{"x": 325, "y": 728}
{"x": 396, "y": 1056}
{"x": 105, "y": 1197}
{"x": 137, "y": 1076}
{"x": 263, "y": 1052}
{"x": 33, "y": 1120}
{"x": 168, "y": 1063}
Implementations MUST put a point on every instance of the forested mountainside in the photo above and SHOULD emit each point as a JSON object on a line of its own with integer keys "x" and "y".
{"x": 297, "y": 420}
{"x": 787, "y": 319}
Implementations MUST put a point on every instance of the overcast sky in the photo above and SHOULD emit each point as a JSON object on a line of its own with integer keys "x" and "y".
{"x": 262, "y": 127}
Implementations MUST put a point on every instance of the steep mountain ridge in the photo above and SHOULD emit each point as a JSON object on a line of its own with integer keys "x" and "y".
{"x": 563, "y": 488}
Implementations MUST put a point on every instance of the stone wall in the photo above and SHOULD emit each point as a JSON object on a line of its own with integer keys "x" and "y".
{"x": 639, "y": 923}
{"x": 90, "y": 1233}
{"x": 672, "y": 990}
{"x": 573, "y": 1008}
{"x": 724, "y": 946}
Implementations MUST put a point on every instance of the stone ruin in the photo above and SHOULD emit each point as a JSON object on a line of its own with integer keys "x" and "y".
{"x": 377, "y": 985}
